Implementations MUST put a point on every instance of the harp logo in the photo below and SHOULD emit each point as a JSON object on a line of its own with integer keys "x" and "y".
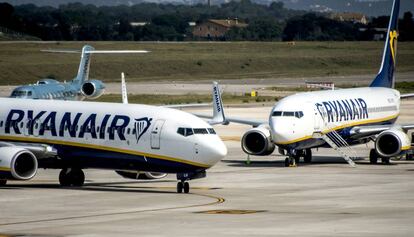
{"x": 393, "y": 44}
{"x": 141, "y": 126}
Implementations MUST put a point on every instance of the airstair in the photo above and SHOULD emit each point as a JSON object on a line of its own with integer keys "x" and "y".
{"x": 338, "y": 143}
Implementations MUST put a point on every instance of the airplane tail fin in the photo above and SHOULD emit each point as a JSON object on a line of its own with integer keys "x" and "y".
{"x": 385, "y": 76}
{"x": 83, "y": 71}
{"x": 218, "y": 111}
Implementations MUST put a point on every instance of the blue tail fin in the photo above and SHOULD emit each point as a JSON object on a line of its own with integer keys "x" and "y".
{"x": 385, "y": 77}
{"x": 83, "y": 71}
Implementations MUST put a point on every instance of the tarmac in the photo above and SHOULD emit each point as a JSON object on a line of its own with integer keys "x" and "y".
{"x": 263, "y": 198}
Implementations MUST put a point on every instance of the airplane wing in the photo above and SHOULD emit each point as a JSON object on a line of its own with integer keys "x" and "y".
{"x": 219, "y": 117}
{"x": 39, "y": 150}
{"x": 406, "y": 96}
{"x": 179, "y": 106}
{"x": 366, "y": 131}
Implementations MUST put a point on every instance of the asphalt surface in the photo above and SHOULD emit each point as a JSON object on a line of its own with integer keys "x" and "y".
{"x": 325, "y": 198}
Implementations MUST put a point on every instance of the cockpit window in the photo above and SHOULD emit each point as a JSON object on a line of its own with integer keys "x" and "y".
{"x": 200, "y": 131}
{"x": 297, "y": 114}
{"x": 190, "y": 131}
{"x": 19, "y": 93}
{"x": 211, "y": 131}
{"x": 185, "y": 131}
{"x": 277, "y": 113}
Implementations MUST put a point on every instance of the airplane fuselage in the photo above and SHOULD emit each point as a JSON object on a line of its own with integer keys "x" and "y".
{"x": 324, "y": 111}
{"x": 113, "y": 136}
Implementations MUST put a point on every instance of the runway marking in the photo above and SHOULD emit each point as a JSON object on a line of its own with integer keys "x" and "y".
{"x": 231, "y": 212}
{"x": 218, "y": 200}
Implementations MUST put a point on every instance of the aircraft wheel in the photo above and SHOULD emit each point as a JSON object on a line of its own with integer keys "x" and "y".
{"x": 72, "y": 177}
{"x": 373, "y": 158}
{"x": 179, "y": 187}
{"x": 287, "y": 162}
{"x": 64, "y": 179}
{"x": 77, "y": 177}
{"x": 308, "y": 156}
{"x": 385, "y": 161}
{"x": 3, "y": 182}
{"x": 186, "y": 187}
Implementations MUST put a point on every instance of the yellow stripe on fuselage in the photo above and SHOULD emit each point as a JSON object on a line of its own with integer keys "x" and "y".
{"x": 103, "y": 148}
{"x": 340, "y": 127}
{"x": 5, "y": 169}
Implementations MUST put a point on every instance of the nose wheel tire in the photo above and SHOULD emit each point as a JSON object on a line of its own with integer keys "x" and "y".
{"x": 71, "y": 177}
{"x": 3, "y": 182}
{"x": 183, "y": 186}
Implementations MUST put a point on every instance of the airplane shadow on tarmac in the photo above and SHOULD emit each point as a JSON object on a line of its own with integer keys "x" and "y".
{"x": 104, "y": 187}
{"x": 316, "y": 160}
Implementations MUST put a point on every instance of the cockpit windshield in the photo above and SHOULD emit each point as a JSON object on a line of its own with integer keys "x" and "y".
{"x": 297, "y": 114}
{"x": 191, "y": 131}
{"x": 21, "y": 93}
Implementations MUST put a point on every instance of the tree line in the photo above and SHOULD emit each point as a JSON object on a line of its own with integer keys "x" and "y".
{"x": 76, "y": 21}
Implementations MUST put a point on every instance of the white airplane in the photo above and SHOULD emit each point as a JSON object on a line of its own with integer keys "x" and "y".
{"x": 72, "y": 136}
{"x": 336, "y": 118}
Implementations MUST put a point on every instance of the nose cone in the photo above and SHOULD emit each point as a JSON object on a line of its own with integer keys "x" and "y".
{"x": 215, "y": 150}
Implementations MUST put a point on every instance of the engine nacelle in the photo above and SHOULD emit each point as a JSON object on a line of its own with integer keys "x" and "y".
{"x": 258, "y": 141}
{"x": 141, "y": 175}
{"x": 17, "y": 163}
{"x": 392, "y": 142}
{"x": 92, "y": 89}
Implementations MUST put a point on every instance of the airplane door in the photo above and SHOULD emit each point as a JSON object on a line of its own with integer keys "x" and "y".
{"x": 156, "y": 134}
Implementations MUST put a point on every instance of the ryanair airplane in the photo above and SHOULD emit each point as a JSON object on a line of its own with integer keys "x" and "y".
{"x": 338, "y": 118}
{"x": 78, "y": 89}
{"x": 72, "y": 136}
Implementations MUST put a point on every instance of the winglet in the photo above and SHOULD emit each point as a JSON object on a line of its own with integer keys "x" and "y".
{"x": 218, "y": 111}
{"x": 124, "y": 89}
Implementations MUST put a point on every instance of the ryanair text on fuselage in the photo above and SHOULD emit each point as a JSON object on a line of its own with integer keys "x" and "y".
{"x": 343, "y": 110}
{"x": 70, "y": 123}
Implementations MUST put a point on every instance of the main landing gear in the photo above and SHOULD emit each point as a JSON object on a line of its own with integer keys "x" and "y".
{"x": 373, "y": 158}
{"x": 183, "y": 185}
{"x": 295, "y": 155}
{"x": 3, "y": 182}
{"x": 71, "y": 177}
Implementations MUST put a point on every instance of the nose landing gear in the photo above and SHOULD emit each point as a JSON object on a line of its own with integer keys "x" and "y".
{"x": 183, "y": 186}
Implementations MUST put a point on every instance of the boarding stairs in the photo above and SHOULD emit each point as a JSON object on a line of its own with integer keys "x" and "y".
{"x": 338, "y": 143}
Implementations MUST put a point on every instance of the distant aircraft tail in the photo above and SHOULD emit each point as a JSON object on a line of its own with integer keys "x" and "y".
{"x": 385, "y": 77}
{"x": 85, "y": 62}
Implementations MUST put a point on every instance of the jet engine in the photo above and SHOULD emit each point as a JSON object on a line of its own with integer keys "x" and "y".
{"x": 141, "y": 175}
{"x": 392, "y": 142}
{"x": 258, "y": 141}
{"x": 17, "y": 163}
{"x": 92, "y": 89}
